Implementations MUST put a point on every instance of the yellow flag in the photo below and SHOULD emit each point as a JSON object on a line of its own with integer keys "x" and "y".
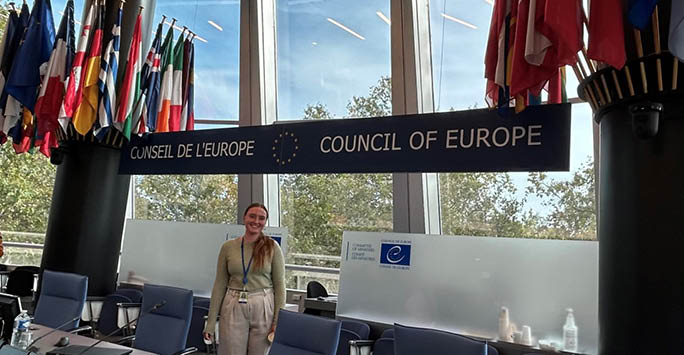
{"x": 86, "y": 113}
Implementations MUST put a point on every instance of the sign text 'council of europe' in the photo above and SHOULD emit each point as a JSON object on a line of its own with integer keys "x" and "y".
{"x": 538, "y": 139}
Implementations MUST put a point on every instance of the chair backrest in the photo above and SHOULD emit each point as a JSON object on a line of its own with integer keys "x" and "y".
{"x": 412, "y": 340}
{"x": 385, "y": 344}
{"x": 163, "y": 330}
{"x": 62, "y": 297}
{"x": 315, "y": 289}
{"x": 303, "y": 334}
{"x": 197, "y": 327}
{"x": 20, "y": 281}
{"x": 351, "y": 330}
{"x": 109, "y": 313}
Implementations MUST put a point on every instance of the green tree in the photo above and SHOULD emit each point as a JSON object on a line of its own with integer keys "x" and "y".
{"x": 187, "y": 198}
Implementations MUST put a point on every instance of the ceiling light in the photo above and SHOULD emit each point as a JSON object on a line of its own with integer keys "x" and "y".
{"x": 467, "y": 24}
{"x": 383, "y": 17}
{"x": 216, "y": 25}
{"x": 346, "y": 29}
{"x": 314, "y": 43}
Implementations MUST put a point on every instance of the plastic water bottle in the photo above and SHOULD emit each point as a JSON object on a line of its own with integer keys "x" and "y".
{"x": 570, "y": 333}
{"x": 21, "y": 335}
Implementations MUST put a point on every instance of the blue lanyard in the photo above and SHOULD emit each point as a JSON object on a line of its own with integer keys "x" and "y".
{"x": 245, "y": 270}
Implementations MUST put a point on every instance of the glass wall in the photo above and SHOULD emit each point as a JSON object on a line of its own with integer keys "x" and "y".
{"x": 529, "y": 205}
{"x": 333, "y": 61}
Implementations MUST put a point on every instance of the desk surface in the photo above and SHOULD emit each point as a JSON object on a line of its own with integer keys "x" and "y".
{"x": 48, "y": 343}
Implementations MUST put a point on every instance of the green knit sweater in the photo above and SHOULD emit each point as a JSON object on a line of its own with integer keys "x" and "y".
{"x": 229, "y": 275}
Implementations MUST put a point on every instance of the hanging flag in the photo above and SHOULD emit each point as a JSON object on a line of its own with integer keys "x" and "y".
{"x": 10, "y": 28}
{"x": 562, "y": 24}
{"x": 640, "y": 12}
{"x": 166, "y": 89}
{"x": 72, "y": 96}
{"x": 34, "y": 51}
{"x": 526, "y": 76}
{"x": 130, "y": 86}
{"x": 107, "y": 80}
{"x": 86, "y": 112}
{"x": 151, "y": 78}
{"x": 496, "y": 53}
{"x": 606, "y": 34}
{"x": 52, "y": 87}
{"x": 177, "y": 89}
{"x": 23, "y": 136}
{"x": 13, "y": 114}
{"x": 676, "y": 38}
{"x": 189, "y": 93}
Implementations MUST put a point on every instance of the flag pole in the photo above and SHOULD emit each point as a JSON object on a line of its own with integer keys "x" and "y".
{"x": 640, "y": 54}
{"x": 617, "y": 83}
{"x": 656, "y": 41}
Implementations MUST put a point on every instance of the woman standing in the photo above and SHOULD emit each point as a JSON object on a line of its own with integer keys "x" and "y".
{"x": 249, "y": 288}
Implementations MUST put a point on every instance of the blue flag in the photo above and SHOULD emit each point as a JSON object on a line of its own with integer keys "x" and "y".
{"x": 34, "y": 51}
{"x": 640, "y": 12}
{"x": 151, "y": 81}
{"x": 15, "y": 31}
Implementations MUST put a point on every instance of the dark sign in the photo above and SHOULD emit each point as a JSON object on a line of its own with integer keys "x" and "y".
{"x": 538, "y": 139}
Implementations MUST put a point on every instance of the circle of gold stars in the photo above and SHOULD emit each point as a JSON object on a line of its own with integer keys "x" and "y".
{"x": 285, "y": 148}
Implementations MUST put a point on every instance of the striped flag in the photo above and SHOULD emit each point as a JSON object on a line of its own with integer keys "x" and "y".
{"x": 164, "y": 103}
{"x": 10, "y": 30}
{"x": 130, "y": 87}
{"x": 150, "y": 76}
{"x": 107, "y": 80}
{"x": 86, "y": 112}
{"x": 177, "y": 93}
{"x": 72, "y": 97}
{"x": 9, "y": 106}
{"x": 52, "y": 87}
{"x": 187, "y": 72}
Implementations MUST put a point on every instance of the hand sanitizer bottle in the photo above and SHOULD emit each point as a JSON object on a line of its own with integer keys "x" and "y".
{"x": 570, "y": 333}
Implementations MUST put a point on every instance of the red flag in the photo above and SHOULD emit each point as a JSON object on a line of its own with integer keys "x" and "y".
{"x": 606, "y": 34}
{"x": 526, "y": 76}
{"x": 562, "y": 23}
{"x": 495, "y": 56}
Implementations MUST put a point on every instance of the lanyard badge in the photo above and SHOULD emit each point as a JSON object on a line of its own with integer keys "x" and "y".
{"x": 245, "y": 270}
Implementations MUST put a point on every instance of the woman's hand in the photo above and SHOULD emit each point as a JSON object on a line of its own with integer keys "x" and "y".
{"x": 207, "y": 336}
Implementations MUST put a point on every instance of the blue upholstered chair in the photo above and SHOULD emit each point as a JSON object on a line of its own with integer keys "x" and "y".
{"x": 303, "y": 334}
{"x": 108, "y": 321}
{"x": 62, "y": 297}
{"x": 164, "y": 320}
{"x": 200, "y": 309}
{"x": 351, "y": 330}
{"x": 412, "y": 340}
{"x": 385, "y": 344}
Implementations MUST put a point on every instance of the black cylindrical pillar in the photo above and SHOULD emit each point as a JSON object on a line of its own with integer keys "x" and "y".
{"x": 641, "y": 234}
{"x": 87, "y": 215}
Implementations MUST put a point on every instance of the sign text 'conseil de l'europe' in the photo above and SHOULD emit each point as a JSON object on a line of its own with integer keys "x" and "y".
{"x": 538, "y": 139}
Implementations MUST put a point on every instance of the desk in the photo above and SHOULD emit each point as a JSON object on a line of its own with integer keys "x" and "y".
{"x": 46, "y": 344}
{"x": 326, "y": 305}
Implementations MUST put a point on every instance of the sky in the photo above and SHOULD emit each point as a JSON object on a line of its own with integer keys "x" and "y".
{"x": 320, "y": 62}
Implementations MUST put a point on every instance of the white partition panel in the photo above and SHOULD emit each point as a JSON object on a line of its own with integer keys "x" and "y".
{"x": 460, "y": 283}
{"x": 179, "y": 253}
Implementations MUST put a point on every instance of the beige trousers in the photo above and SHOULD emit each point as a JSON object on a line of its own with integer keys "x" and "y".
{"x": 244, "y": 327}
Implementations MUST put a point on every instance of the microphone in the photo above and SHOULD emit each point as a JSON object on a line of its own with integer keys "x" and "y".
{"x": 61, "y": 326}
{"x": 108, "y": 336}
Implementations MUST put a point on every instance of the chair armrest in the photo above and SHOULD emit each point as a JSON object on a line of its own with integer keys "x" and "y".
{"x": 81, "y": 329}
{"x": 129, "y": 339}
{"x": 186, "y": 351}
{"x": 360, "y": 347}
{"x": 128, "y": 304}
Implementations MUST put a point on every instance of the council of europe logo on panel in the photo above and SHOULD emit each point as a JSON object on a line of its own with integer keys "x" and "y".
{"x": 395, "y": 254}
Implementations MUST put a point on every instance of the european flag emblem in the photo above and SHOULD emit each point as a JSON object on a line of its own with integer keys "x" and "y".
{"x": 395, "y": 254}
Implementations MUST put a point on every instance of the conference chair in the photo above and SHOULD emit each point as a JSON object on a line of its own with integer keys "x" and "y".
{"x": 303, "y": 334}
{"x": 413, "y": 340}
{"x": 62, "y": 297}
{"x": 164, "y": 320}
{"x": 315, "y": 289}
{"x": 109, "y": 315}
{"x": 200, "y": 310}
{"x": 351, "y": 330}
{"x": 21, "y": 280}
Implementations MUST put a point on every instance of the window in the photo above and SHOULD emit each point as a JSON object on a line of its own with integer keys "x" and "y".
{"x": 333, "y": 62}
{"x": 532, "y": 205}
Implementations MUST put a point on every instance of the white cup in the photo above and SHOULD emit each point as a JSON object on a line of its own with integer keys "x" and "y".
{"x": 526, "y": 335}
{"x": 517, "y": 337}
